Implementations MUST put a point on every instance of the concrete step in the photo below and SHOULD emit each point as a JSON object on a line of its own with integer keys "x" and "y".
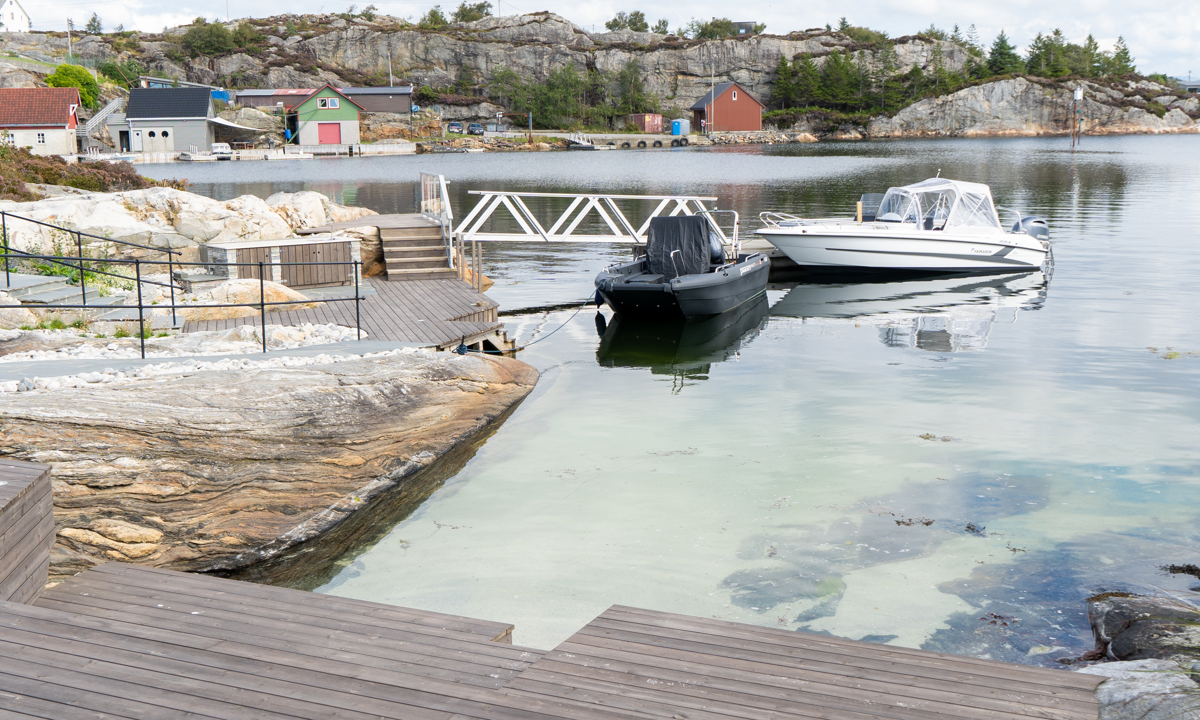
{"x": 409, "y": 257}
{"x": 410, "y": 234}
{"x": 63, "y": 295}
{"x": 22, "y": 285}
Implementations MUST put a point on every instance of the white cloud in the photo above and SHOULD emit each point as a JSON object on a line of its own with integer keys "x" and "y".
{"x": 1161, "y": 36}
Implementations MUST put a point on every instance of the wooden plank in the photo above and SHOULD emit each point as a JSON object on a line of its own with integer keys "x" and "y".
{"x": 416, "y": 692}
{"x": 485, "y": 629}
{"x": 725, "y": 628}
{"x": 33, "y": 706}
{"x": 626, "y": 657}
{"x": 453, "y": 660}
{"x": 891, "y": 670}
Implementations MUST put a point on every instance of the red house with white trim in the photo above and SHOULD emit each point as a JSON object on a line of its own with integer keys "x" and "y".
{"x": 41, "y": 119}
{"x": 733, "y": 110}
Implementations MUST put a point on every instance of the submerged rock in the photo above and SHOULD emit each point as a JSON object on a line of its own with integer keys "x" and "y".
{"x": 1139, "y": 628}
{"x": 218, "y": 470}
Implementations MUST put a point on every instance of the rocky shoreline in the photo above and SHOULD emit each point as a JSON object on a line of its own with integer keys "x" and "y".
{"x": 219, "y": 468}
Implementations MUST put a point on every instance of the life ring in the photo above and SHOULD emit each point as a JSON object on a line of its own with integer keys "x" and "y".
{"x": 625, "y": 145}
{"x": 674, "y": 143}
{"x": 658, "y": 143}
{"x": 683, "y": 142}
{"x": 641, "y": 143}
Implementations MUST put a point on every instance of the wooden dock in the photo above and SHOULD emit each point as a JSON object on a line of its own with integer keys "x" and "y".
{"x": 26, "y": 529}
{"x": 130, "y": 642}
{"x": 437, "y": 313}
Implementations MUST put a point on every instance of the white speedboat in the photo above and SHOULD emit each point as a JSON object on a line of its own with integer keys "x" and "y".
{"x": 938, "y": 225}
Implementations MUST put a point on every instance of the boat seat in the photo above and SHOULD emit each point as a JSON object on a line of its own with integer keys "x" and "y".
{"x": 645, "y": 278}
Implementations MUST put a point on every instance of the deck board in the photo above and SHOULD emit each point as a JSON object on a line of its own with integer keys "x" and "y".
{"x": 416, "y": 311}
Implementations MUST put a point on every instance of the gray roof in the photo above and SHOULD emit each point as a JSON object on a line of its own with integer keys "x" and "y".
{"x": 184, "y": 102}
{"x": 708, "y": 96}
{"x": 402, "y": 90}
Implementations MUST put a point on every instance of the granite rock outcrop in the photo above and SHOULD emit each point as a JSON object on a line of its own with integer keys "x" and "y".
{"x": 218, "y": 470}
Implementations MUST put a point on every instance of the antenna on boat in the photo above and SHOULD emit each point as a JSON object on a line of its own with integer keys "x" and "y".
{"x": 939, "y": 173}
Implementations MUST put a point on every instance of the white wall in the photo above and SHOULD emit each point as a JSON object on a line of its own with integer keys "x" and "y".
{"x": 57, "y": 141}
{"x": 13, "y": 17}
{"x": 308, "y": 133}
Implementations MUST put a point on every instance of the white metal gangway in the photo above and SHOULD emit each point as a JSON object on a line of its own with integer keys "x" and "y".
{"x": 563, "y": 227}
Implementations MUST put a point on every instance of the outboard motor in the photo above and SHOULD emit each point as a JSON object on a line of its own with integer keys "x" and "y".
{"x": 716, "y": 251}
{"x": 1034, "y": 227}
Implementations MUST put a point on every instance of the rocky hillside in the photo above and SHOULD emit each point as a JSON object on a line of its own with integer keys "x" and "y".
{"x": 356, "y": 52}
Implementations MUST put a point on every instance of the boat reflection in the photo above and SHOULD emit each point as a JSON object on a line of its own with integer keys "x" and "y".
{"x": 684, "y": 349}
{"x": 937, "y": 313}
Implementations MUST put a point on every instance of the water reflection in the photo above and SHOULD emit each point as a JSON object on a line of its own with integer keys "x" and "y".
{"x": 939, "y": 314}
{"x": 685, "y": 350}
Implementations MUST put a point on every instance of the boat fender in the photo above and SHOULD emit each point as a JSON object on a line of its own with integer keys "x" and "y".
{"x": 598, "y": 300}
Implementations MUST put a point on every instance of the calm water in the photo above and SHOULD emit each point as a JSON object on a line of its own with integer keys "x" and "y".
{"x": 898, "y": 462}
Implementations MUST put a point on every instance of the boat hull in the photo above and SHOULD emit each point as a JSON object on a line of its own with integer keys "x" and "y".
{"x": 812, "y": 247}
{"x": 689, "y": 296}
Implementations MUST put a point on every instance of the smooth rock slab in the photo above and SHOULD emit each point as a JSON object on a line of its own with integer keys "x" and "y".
{"x": 1145, "y": 690}
{"x": 221, "y": 469}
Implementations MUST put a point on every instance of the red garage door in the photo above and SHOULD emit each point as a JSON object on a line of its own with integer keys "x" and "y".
{"x": 329, "y": 133}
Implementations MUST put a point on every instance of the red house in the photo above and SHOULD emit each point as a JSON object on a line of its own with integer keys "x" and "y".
{"x": 733, "y": 110}
{"x": 41, "y": 119}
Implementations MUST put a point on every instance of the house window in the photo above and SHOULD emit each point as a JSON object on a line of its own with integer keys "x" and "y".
{"x": 166, "y": 134}
{"x": 41, "y": 138}
{"x": 150, "y": 134}
{"x": 327, "y": 103}
{"x": 735, "y": 94}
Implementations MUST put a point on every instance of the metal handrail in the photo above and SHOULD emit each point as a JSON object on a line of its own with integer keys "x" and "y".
{"x": 4, "y": 215}
{"x": 262, "y": 303}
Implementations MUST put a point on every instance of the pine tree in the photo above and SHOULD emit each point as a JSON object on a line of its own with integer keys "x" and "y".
{"x": 838, "y": 81}
{"x": 1092, "y": 58}
{"x": 806, "y": 81}
{"x": 783, "y": 91}
{"x": 1003, "y": 58}
{"x": 956, "y": 36}
{"x": 94, "y": 26}
{"x": 1121, "y": 62}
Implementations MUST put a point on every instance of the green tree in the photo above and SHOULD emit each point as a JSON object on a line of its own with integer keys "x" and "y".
{"x": 637, "y": 21}
{"x": 425, "y": 96}
{"x": 631, "y": 90}
{"x": 839, "y": 84}
{"x": 464, "y": 82}
{"x": 712, "y": 30}
{"x": 470, "y": 12}
{"x": 434, "y": 19}
{"x": 660, "y": 27}
{"x": 806, "y": 81}
{"x": 246, "y": 36}
{"x": 934, "y": 33}
{"x": 860, "y": 34}
{"x": 94, "y": 26}
{"x": 76, "y": 76}
{"x": 783, "y": 90}
{"x": 289, "y": 27}
{"x": 205, "y": 38}
{"x": 620, "y": 21}
{"x": 1003, "y": 58}
{"x": 368, "y": 13}
{"x": 123, "y": 73}
{"x": 1120, "y": 62}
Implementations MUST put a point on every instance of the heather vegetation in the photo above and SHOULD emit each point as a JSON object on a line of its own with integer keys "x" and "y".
{"x": 18, "y": 166}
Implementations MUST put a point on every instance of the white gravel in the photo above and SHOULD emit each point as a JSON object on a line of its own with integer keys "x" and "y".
{"x": 242, "y": 339}
{"x": 186, "y": 367}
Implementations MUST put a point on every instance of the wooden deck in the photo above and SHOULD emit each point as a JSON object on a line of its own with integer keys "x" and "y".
{"x": 394, "y": 220}
{"x": 26, "y": 529}
{"x": 438, "y": 313}
{"x": 123, "y": 641}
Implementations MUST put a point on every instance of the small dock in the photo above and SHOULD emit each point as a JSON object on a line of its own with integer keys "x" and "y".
{"x": 134, "y": 642}
{"x": 421, "y": 299}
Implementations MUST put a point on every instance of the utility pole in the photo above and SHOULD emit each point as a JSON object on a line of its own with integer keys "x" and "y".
{"x": 70, "y": 27}
{"x": 712, "y": 93}
{"x": 390, "y": 68}
{"x": 1075, "y": 117}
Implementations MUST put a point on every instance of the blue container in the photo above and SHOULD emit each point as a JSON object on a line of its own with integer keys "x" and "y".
{"x": 676, "y": 127}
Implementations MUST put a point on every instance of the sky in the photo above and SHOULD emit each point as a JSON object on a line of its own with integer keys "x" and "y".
{"x": 1161, "y": 35}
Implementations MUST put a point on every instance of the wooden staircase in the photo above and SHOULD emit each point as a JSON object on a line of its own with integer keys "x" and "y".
{"x": 415, "y": 253}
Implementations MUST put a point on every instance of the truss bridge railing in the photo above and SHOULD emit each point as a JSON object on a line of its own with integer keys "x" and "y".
{"x": 611, "y": 222}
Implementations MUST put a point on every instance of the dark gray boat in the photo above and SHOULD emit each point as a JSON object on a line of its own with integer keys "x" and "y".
{"x": 684, "y": 272}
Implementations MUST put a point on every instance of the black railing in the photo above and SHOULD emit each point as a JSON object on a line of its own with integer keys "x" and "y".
{"x": 138, "y": 263}
{"x": 81, "y": 259}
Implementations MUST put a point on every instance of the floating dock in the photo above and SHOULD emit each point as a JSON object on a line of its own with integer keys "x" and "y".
{"x": 126, "y": 641}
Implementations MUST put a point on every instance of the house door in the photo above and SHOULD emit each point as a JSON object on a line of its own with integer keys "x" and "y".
{"x": 135, "y": 140}
{"x": 329, "y": 133}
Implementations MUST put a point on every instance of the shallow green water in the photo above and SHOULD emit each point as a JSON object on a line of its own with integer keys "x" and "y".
{"x": 773, "y": 471}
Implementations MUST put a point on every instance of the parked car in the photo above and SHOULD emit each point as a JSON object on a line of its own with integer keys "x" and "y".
{"x": 454, "y": 127}
{"x": 474, "y": 129}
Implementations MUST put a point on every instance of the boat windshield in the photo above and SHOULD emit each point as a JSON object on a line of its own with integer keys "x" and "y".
{"x": 939, "y": 204}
